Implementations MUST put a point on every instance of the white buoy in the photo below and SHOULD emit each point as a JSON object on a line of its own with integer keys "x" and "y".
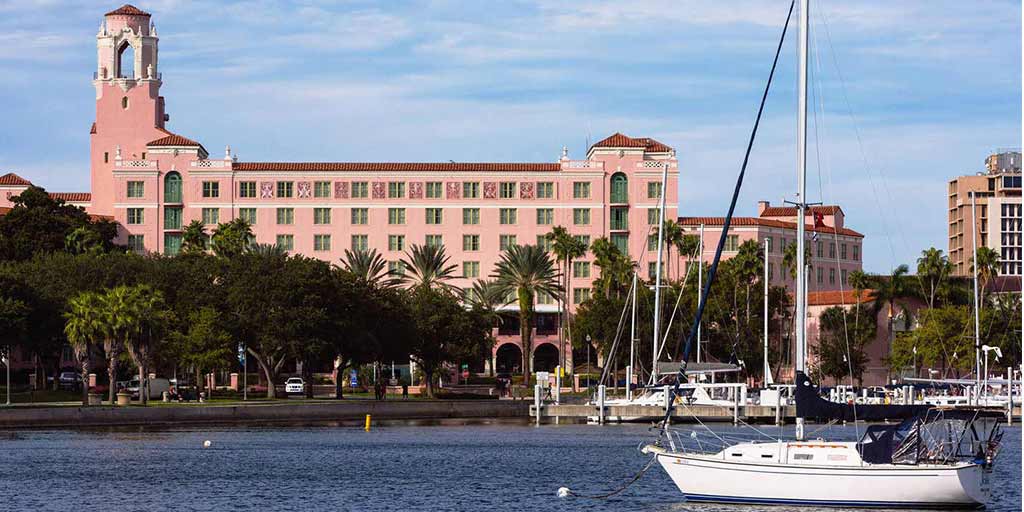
{"x": 207, "y": 443}
{"x": 563, "y": 492}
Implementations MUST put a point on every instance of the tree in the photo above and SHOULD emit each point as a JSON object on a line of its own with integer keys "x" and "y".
{"x": 933, "y": 268}
{"x": 940, "y": 340}
{"x": 444, "y": 331}
{"x": 202, "y": 344}
{"x": 616, "y": 268}
{"x": 85, "y": 326}
{"x": 841, "y": 342}
{"x": 37, "y": 224}
{"x": 231, "y": 238}
{"x": 142, "y": 317}
{"x": 193, "y": 238}
{"x": 889, "y": 293}
{"x": 859, "y": 281}
{"x": 487, "y": 297}
{"x": 673, "y": 237}
{"x": 369, "y": 266}
{"x": 266, "y": 250}
{"x": 427, "y": 266}
{"x": 987, "y": 269}
{"x": 749, "y": 262}
{"x": 566, "y": 248}
{"x": 526, "y": 270}
{"x": 83, "y": 239}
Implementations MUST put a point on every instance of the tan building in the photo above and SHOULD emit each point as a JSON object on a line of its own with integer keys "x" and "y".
{"x": 997, "y": 193}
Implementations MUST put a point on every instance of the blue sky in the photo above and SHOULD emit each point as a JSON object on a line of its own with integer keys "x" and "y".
{"x": 930, "y": 87}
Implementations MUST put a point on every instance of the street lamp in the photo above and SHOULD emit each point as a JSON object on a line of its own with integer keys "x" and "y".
{"x": 999, "y": 354}
{"x": 588, "y": 361}
{"x": 7, "y": 363}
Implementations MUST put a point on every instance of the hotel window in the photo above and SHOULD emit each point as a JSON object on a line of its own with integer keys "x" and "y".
{"x": 360, "y": 242}
{"x": 434, "y": 189}
{"x": 396, "y": 216}
{"x": 470, "y": 269}
{"x": 433, "y": 216}
{"x": 247, "y": 189}
{"x": 652, "y": 242}
{"x": 211, "y": 216}
{"x": 580, "y": 269}
{"x": 285, "y": 188}
{"x": 856, "y": 252}
{"x": 832, "y": 250}
{"x": 396, "y": 189}
{"x": 818, "y": 247}
{"x": 322, "y": 189}
{"x": 286, "y": 242}
{"x": 583, "y": 239}
{"x": 172, "y": 244}
{"x": 544, "y": 242}
{"x": 470, "y": 242}
{"x": 471, "y": 216}
{"x": 470, "y": 190}
{"x": 248, "y": 215}
{"x": 285, "y": 216}
{"x": 396, "y": 242}
{"x": 360, "y": 216}
{"x": 136, "y": 243}
{"x": 620, "y": 189}
{"x": 434, "y": 241}
{"x": 619, "y": 220}
{"x": 507, "y": 216}
{"x": 360, "y": 190}
{"x": 621, "y": 240}
{"x": 581, "y": 190}
{"x": 545, "y": 190}
{"x": 507, "y": 190}
{"x": 831, "y": 276}
{"x": 782, "y": 245}
{"x": 172, "y": 217}
{"x": 506, "y": 241}
{"x": 172, "y": 188}
{"x": 106, "y": 157}
{"x": 732, "y": 242}
{"x": 842, "y": 251}
{"x": 396, "y": 268}
{"x": 653, "y": 190}
{"x": 136, "y": 189}
{"x": 842, "y": 276}
{"x": 321, "y": 242}
{"x": 768, "y": 243}
{"x": 652, "y": 216}
{"x": 581, "y": 216}
{"x": 771, "y": 272}
{"x": 579, "y": 295}
{"x": 543, "y": 298}
{"x": 211, "y": 189}
{"x": 545, "y": 216}
{"x": 821, "y": 278}
{"x": 652, "y": 270}
{"x": 321, "y": 215}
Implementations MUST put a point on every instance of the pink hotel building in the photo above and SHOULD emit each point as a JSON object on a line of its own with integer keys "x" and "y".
{"x": 153, "y": 182}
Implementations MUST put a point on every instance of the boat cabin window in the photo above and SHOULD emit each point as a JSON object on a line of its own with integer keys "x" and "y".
{"x": 803, "y": 456}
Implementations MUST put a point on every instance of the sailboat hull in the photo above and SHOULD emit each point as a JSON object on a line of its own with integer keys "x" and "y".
{"x": 709, "y": 478}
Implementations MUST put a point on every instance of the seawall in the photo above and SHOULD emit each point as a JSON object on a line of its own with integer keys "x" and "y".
{"x": 97, "y": 416}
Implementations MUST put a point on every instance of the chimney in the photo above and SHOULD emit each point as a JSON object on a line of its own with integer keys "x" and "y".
{"x": 762, "y": 206}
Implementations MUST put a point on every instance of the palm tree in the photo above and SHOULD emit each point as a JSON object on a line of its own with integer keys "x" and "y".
{"x": 487, "y": 297}
{"x": 933, "y": 268}
{"x": 84, "y": 327}
{"x": 193, "y": 238}
{"x": 673, "y": 236}
{"x": 749, "y": 261}
{"x": 526, "y": 270}
{"x": 367, "y": 265}
{"x": 427, "y": 267}
{"x": 987, "y": 268}
{"x": 142, "y": 309}
{"x": 566, "y": 248}
{"x": 859, "y": 282}
{"x": 889, "y": 292}
{"x": 267, "y": 250}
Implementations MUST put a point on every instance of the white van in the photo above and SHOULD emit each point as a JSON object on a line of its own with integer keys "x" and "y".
{"x": 157, "y": 387}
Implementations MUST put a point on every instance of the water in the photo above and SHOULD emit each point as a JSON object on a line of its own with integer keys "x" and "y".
{"x": 490, "y": 466}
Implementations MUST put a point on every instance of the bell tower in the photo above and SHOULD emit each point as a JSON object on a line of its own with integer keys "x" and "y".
{"x": 129, "y": 108}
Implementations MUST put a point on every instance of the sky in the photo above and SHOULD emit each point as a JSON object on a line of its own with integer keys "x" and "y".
{"x": 906, "y": 94}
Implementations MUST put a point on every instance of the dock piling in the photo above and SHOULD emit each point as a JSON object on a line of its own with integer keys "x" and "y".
{"x": 600, "y": 404}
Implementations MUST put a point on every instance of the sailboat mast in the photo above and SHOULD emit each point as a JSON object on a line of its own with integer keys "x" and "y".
{"x": 657, "y": 273}
{"x": 977, "y": 315}
{"x": 801, "y": 202}
{"x": 700, "y": 280}
{"x": 767, "y": 370}
{"x": 632, "y": 345}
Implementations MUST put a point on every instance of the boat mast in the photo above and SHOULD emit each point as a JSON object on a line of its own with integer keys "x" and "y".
{"x": 977, "y": 323}
{"x": 700, "y": 280}
{"x": 801, "y": 201}
{"x": 632, "y": 345}
{"x": 657, "y": 273}
{"x": 767, "y": 378}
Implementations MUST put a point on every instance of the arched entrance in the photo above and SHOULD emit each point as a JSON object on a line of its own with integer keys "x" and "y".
{"x": 545, "y": 358}
{"x": 509, "y": 359}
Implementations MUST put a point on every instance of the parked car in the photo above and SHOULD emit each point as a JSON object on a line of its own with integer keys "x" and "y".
{"x": 157, "y": 387}
{"x": 69, "y": 381}
{"x": 294, "y": 385}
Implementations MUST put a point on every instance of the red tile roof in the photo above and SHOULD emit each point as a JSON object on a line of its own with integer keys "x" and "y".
{"x": 72, "y": 197}
{"x": 173, "y": 139}
{"x": 756, "y": 221}
{"x": 128, "y": 10}
{"x": 790, "y": 211}
{"x": 618, "y": 140}
{"x": 396, "y": 166}
{"x": 13, "y": 179}
{"x": 837, "y": 298}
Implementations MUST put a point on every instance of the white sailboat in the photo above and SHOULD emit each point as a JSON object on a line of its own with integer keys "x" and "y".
{"x": 936, "y": 458}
